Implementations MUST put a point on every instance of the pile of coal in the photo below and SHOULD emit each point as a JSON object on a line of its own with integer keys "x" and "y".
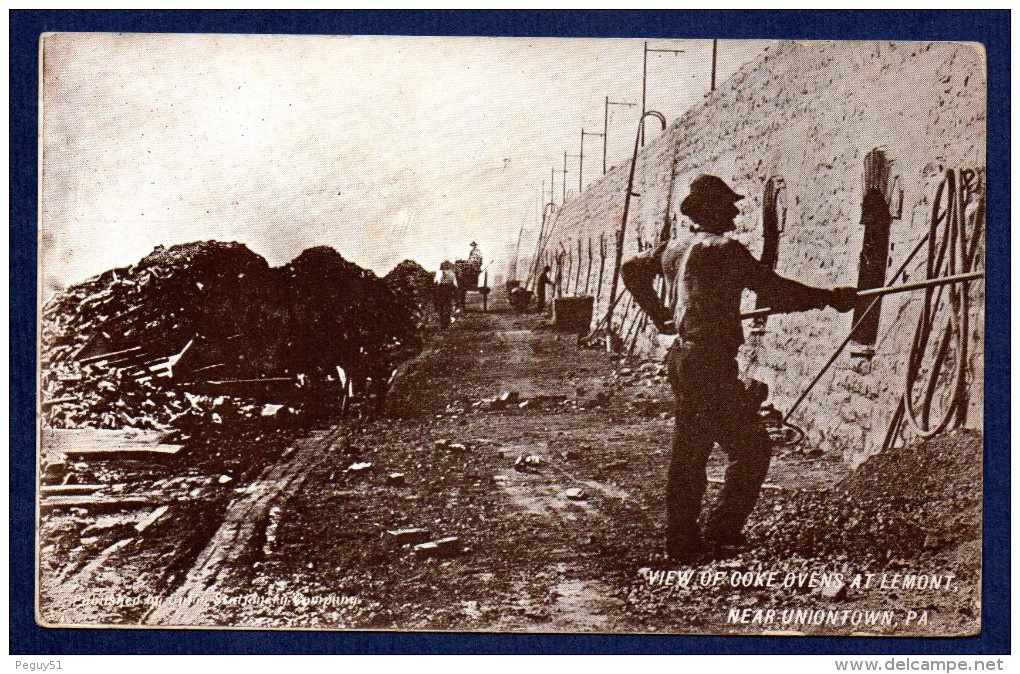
{"x": 213, "y": 319}
{"x": 108, "y": 342}
{"x": 159, "y": 304}
{"x": 341, "y": 315}
{"x": 923, "y": 499}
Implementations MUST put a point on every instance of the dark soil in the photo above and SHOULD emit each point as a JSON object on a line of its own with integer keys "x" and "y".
{"x": 573, "y": 541}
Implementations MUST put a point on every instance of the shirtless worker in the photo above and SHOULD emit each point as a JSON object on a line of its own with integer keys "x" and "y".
{"x": 706, "y": 273}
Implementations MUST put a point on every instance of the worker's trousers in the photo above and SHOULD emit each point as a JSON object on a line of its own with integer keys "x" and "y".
{"x": 712, "y": 407}
{"x": 444, "y": 297}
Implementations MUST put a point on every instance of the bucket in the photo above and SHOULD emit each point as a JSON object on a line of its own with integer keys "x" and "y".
{"x": 573, "y": 314}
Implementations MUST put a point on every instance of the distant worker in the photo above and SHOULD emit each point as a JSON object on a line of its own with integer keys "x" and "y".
{"x": 706, "y": 273}
{"x": 446, "y": 293}
{"x": 543, "y": 282}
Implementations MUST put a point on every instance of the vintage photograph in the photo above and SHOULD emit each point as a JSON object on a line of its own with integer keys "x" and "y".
{"x": 480, "y": 334}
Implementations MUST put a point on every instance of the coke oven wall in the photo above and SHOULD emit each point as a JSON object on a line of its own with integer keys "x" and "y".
{"x": 811, "y": 112}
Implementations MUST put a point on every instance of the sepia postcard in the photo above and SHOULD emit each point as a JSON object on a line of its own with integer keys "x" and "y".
{"x": 475, "y": 334}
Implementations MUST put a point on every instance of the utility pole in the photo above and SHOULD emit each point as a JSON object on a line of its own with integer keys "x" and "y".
{"x": 605, "y": 128}
{"x": 580, "y": 170}
{"x": 644, "y": 83}
{"x": 564, "y": 172}
{"x": 564, "y": 176}
{"x": 715, "y": 51}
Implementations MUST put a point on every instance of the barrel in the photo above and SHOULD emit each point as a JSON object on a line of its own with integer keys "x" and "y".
{"x": 573, "y": 314}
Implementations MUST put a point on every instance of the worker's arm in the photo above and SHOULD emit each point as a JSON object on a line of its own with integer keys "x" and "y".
{"x": 638, "y": 274}
{"x": 785, "y": 295}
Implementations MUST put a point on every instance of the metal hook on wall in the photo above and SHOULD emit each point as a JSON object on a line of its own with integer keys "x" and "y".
{"x": 622, "y": 231}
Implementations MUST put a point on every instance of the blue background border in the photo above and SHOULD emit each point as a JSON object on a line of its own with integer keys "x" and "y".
{"x": 988, "y": 27}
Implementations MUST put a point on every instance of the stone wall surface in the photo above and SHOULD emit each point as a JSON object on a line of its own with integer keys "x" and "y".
{"x": 809, "y": 112}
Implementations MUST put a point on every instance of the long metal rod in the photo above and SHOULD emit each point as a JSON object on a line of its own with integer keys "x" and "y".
{"x": 622, "y": 232}
{"x": 517, "y": 253}
{"x": 890, "y": 290}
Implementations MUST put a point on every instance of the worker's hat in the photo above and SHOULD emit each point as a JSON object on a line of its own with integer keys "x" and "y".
{"x": 708, "y": 189}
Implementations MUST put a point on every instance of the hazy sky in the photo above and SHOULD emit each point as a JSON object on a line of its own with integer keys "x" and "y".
{"x": 383, "y": 147}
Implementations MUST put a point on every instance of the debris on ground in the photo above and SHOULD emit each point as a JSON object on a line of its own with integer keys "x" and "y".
{"x": 888, "y": 508}
{"x": 193, "y": 324}
{"x": 410, "y": 535}
{"x": 527, "y": 463}
{"x": 443, "y": 547}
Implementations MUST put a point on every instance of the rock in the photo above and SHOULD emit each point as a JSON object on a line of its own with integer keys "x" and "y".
{"x": 508, "y": 397}
{"x": 575, "y": 494}
{"x": 442, "y": 548}
{"x": 442, "y": 443}
{"x": 359, "y": 467}
{"x": 396, "y": 479}
{"x": 223, "y": 479}
{"x": 617, "y": 465}
{"x": 457, "y": 447}
{"x": 410, "y": 535}
{"x": 523, "y": 404}
{"x": 526, "y": 463}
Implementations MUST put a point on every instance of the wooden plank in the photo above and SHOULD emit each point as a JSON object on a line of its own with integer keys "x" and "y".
{"x": 151, "y": 518}
{"x": 57, "y": 401}
{"x": 106, "y": 443}
{"x": 69, "y": 489}
{"x": 111, "y": 354}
